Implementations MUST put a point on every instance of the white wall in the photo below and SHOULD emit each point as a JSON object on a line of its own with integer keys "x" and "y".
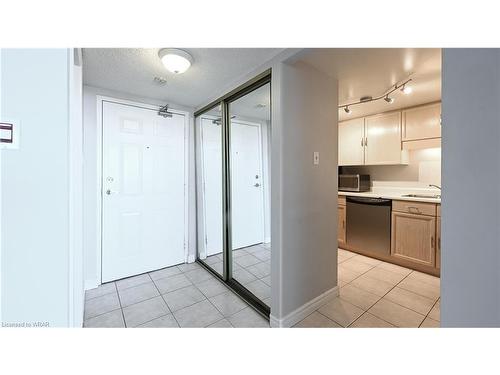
{"x": 92, "y": 274}
{"x": 470, "y": 270}
{"x": 304, "y": 196}
{"x": 35, "y": 188}
{"x": 424, "y": 168}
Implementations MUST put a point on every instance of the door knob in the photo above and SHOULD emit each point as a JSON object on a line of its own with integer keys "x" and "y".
{"x": 108, "y": 192}
{"x": 257, "y": 185}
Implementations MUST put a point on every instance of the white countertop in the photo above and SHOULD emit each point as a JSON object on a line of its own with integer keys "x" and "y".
{"x": 396, "y": 194}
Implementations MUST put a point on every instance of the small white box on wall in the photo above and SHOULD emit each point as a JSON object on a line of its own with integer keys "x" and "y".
{"x": 9, "y": 134}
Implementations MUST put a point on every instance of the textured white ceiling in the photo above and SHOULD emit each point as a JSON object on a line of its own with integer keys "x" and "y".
{"x": 132, "y": 71}
{"x": 371, "y": 71}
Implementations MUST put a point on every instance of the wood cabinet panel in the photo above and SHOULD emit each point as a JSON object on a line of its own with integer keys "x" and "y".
{"x": 341, "y": 200}
{"x": 341, "y": 231}
{"x": 438, "y": 242}
{"x": 420, "y": 208}
{"x": 413, "y": 237}
{"x": 351, "y": 137}
{"x": 422, "y": 122}
{"x": 383, "y": 139}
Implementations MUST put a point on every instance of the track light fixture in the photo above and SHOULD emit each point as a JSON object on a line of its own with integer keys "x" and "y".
{"x": 406, "y": 89}
{"x": 367, "y": 99}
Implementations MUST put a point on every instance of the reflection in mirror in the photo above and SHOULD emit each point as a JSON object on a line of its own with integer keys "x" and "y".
{"x": 250, "y": 132}
{"x": 210, "y": 235}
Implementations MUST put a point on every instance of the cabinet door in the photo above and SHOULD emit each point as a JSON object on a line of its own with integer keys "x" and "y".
{"x": 413, "y": 237}
{"x": 383, "y": 139}
{"x": 341, "y": 225}
{"x": 422, "y": 122}
{"x": 351, "y": 136}
{"x": 438, "y": 242}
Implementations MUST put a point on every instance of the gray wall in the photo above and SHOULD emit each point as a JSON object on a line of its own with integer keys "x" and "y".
{"x": 35, "y": 187}
{"x": 304, "y": 196}
{"x": 470, "y": 282}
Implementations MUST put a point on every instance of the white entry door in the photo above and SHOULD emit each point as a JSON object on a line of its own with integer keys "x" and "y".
{"x": 143, "y": 173}
{"x": 247, "y": 220}
{"x": 247, "y": 194}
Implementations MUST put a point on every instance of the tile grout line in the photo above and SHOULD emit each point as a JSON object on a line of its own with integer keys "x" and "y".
{"x": 166, "y": 304}
{"x": 435, "y": 303}
{"x": 121, "y": 307}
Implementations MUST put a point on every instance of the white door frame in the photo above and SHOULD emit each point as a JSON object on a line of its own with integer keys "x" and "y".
{"x": 201, "y": 211}
{"x": 100, "y": 100}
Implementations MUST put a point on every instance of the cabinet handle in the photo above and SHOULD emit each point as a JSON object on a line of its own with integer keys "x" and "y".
{"x": 439, "y": 243}
{"x": 413, "y": 209}
{"x": 432, "y": 242}
{"x": 366, "y": 141}
{"x": 361, "y": 142}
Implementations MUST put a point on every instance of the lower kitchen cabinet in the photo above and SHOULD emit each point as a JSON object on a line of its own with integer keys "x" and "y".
{"x": 414, "y": 238}
{"x": 341, "y": 232}
{"x": 438, "y": 242}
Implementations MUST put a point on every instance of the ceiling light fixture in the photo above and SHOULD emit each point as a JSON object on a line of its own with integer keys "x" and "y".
{"x": 175, "y": 60}
{"x": 367, "y": 99}
{"x": 389, "y": 100}
{"x": 407, "y": 89}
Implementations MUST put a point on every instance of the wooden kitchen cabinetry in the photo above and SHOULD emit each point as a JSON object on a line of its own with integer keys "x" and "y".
{"x": 422, "y": 122}
{"x": 341, "y": 224}
{"x": 372, "y": 140}
{"x": 351, "y": 142}
{"x": 413, "y": 233}
{"x": 438, "y": 237}
{"x": 383, "y": 139}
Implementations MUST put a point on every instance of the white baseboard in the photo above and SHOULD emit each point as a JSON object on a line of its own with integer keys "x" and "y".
{"x": 267, "y": 240}
{"x": 91, "y": 284}
{"x": 303, "y": 311}
{"x": 191, "y": 258}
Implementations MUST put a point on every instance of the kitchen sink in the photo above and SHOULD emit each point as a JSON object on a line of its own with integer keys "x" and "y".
{"x": 432, "y": 196}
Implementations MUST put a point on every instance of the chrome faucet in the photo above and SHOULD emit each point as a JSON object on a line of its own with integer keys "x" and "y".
{"x": 436, "y": 186}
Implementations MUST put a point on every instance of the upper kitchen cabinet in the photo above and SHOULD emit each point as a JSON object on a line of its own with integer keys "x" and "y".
{"x": 351, "y": 142}
{"x": 383, "y": 139}
{"x": 422, "y": 127}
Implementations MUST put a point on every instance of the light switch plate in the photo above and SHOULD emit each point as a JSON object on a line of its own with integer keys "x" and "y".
{"x": 316, "y": 158}
{"x": 9, "y": 134}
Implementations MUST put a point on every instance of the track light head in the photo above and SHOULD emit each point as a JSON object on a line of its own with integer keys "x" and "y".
{"x": 347, "y": 110}
{"x": 389, "y": 100}
{"x": 406, "y": 89}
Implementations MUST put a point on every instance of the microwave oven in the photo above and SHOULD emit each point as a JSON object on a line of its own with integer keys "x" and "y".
{"x": 354, "y": 182}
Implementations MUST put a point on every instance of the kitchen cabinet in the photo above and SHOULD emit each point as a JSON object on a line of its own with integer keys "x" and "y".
{"x": 372, "y": 140}
{"x": 341, "y": 227}
{"x": 423, "y": 122}
{"x": 413, "y": 235}
{"x": 351, "y": 142}
{"x": 383, "y": 139}
{"x": 438, "y": 238}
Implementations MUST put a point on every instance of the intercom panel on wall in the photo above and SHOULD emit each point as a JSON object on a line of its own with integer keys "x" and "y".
{"x": 9, "y": 134}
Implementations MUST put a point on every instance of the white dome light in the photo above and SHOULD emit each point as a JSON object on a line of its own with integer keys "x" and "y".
{"x": 176, "y": 61}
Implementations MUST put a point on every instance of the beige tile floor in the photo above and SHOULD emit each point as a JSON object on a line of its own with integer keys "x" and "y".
{"x": 251, "y": 267}
{"x": 181, "y": 296}
{"x": 378, "y": 294}
{"x": 372, "y": 294}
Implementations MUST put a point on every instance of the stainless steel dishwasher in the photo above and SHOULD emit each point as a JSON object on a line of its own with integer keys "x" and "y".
{"x": 368, "y": 224}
